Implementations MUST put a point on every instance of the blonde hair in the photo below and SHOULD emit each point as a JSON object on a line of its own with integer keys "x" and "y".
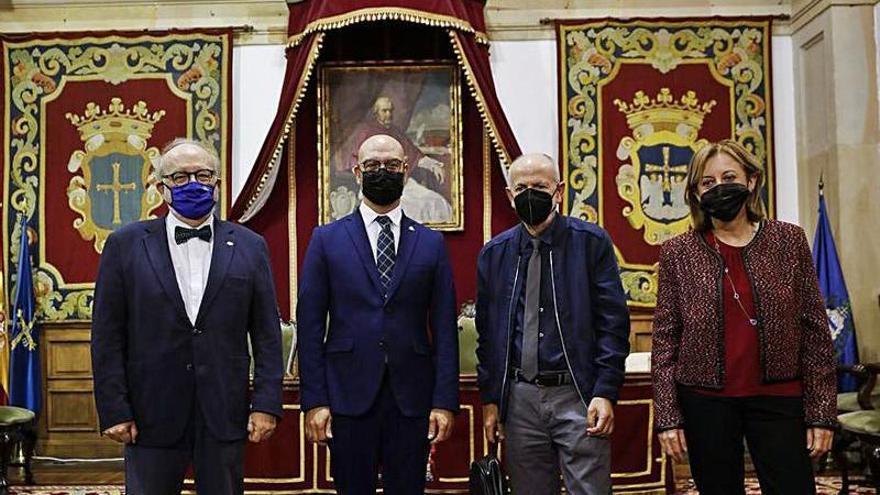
{"x": 753, "y": 168}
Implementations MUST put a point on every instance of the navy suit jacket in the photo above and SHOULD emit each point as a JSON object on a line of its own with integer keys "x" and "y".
{"x": 152, "y": 365}
{"x": 343, "y": 359}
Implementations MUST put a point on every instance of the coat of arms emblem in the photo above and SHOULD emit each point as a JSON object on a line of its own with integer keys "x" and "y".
{"x": 114, "y": 188}
{"x": 665, "y": 135}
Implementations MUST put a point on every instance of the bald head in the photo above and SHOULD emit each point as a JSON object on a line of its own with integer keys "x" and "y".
{"x": 381, "y": 147}
{"x": 533, "y": 166}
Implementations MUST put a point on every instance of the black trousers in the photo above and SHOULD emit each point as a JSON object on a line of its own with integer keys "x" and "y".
{"x": 774, "y": 430}
{"x": 381, "y": 436}
{"x": 218, "y": 465}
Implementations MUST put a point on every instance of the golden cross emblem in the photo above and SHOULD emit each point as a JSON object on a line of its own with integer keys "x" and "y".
{"x": 116, "y": 188}
{"x": 24, "y": 333}
{"x": 666, "y": 170}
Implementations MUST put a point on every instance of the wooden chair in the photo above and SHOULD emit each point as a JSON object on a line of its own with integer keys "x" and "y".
{"x": 860, "y": 424}
{"x": 16, "y": 425}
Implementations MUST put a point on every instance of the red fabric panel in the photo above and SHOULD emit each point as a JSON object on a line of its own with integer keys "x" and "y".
{"x": 303, "y": 13}
{"x": 465, "y": 246}
{"x": 306, "y": 175}
{"x": 271, "y": 223}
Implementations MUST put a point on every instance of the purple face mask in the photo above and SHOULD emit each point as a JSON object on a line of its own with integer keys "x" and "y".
{"x": 193, "y": 200}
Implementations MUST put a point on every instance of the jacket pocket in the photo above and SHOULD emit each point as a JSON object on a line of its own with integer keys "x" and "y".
{"x": 339, "y": 345}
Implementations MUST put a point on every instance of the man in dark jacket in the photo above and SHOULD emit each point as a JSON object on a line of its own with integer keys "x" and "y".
{"x": 553, "y": 336}
{"x": 175, "y": 301}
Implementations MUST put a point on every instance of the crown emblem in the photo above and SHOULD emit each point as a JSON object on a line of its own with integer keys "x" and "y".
{"x": 116, "y": 121}
{"x": 663, "y": 112}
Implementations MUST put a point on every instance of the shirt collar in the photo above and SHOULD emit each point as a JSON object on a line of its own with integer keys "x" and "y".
{"x": 370, "y": 216}
{"x": 172, "y": 221}
{"x": 546, "y": 237}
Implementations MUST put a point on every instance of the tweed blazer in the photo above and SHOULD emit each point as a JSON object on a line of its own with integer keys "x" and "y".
{"x": 688, "y": 336}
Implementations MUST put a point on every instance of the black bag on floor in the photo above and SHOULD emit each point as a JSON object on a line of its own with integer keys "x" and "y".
{"x": 487, "y": 477}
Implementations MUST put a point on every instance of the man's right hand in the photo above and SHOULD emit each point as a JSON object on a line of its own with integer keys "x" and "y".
{"x": 318, "y": 425}
{"x": 674, "y": 443}
{"x": 492, "y": 427}
{"x": 123, "y": 432}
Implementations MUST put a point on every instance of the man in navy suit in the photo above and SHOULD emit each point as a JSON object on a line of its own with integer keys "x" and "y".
{"x": 380, "y": 375}
{"x": 175, "y": 301}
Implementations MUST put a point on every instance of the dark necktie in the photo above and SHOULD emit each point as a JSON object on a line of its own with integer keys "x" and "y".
{"x": 385, "y": 251}
{"x": 183, "y": 234}
{"x": 530, "y": 318}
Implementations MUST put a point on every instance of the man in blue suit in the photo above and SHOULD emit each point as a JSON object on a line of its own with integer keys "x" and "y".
{"x": 553, "y": 336}
{"x": 377, "y": 335}
{"x": 175, "y": 301}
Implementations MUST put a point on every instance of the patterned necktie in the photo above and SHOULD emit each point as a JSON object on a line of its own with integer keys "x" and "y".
{"x": 385, "y": 251}
{"x": 183, "y": 234}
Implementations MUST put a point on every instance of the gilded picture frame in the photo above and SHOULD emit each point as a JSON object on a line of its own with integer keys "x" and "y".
{"x": 419, "y": 104}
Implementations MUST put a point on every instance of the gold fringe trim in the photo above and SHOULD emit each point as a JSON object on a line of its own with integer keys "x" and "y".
{"x": 478, "y": 97}
{"x": 288, "y": 124}
{"x": 292, "y": 253}
{"x": 487, "y": 188}
{"x": 374, "y": 14}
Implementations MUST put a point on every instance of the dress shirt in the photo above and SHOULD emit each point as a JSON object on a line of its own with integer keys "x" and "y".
{"x": 373, "y": 227}
{"x": 192, "y": 263}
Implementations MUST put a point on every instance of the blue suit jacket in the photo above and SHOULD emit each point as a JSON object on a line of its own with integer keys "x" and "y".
{"x": 342, "y": 359}
{"x": 151, "y": 365}
{"x": 590, "y": 308}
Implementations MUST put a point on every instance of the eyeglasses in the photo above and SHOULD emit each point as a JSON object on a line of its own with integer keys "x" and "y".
{"x": 203, "y": 176}
{"x": 393, "y": 165}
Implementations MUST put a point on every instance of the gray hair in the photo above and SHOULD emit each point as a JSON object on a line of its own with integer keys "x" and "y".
{"x": 375, "y": 109}
{"x": 164, "y": 163}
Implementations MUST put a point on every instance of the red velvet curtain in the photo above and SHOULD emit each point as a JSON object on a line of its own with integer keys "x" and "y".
{"x": 279, "y": 199}
{"x": 311, "y": 19}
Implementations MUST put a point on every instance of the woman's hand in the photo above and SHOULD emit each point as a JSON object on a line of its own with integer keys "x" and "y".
{"x": 819, "y": 441}
{"x": 674, "y": 444}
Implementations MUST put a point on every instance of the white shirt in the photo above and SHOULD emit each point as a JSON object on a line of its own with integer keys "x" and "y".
{"x": 192, "y": 262}
{"x": 373, "y": 227}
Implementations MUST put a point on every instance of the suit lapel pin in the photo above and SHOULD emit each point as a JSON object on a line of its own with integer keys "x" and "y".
{"x": 412, "y": 229}
{"x": 230, "y": 243}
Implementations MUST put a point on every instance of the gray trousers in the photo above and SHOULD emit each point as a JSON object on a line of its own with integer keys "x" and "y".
{"x": 546, "y": 433}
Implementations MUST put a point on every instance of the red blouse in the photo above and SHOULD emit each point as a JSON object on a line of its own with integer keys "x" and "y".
{"x": 741, "y": 348}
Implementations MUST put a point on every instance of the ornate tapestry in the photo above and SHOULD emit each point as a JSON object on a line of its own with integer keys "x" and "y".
{"x": 637, "y": 99}
{"x": 85, "y": 116}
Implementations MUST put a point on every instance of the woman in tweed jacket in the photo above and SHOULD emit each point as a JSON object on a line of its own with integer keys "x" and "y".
{"x": 741, "y": 347}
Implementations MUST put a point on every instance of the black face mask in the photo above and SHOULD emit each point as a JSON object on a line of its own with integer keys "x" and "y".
{"x": 382, "y": 187}
{"x": 533, "y": 206}
{"x": 724, "y": 201}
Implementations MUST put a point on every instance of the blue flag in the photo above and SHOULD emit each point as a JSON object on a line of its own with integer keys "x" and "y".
{"x": 840, "y": 319}
{"x": 24, "y": 363}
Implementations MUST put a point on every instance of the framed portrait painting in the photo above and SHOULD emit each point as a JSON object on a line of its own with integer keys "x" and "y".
{"x": 417, "y": 104}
